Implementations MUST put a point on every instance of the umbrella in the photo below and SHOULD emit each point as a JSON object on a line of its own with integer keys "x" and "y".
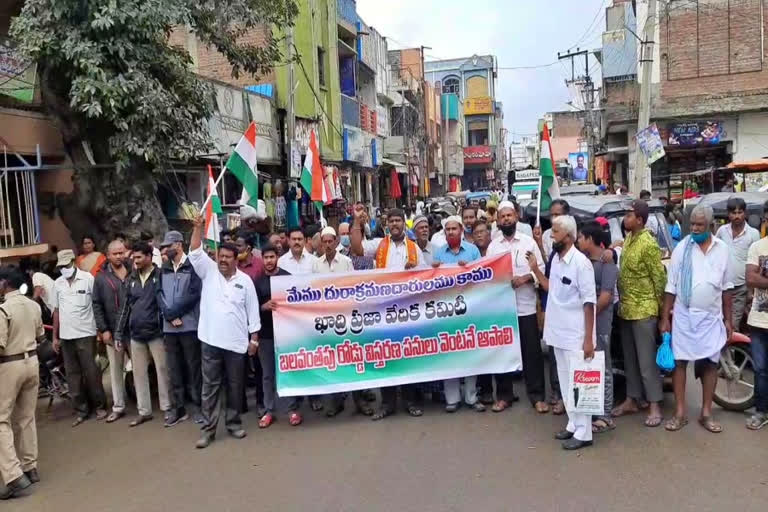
{"x": 394, "y": 186}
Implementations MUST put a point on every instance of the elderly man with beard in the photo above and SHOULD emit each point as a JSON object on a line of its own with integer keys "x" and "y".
{"x": 458, "y": 250}
{"x": 524, "y": 281}
{"x": 395, "y": 252}
{"x": 421, "y": 230}
{"x": 228, "y": 329}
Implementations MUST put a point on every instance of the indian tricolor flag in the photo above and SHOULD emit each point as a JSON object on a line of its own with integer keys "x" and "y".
{"x": 242, "y": 163}
{"x": 212, "y": 209}
{"x": 548, "y": 187}
{"x": 312, "y": 176}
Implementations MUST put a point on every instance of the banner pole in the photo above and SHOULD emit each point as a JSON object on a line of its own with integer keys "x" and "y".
{"x": 215, "y": 184}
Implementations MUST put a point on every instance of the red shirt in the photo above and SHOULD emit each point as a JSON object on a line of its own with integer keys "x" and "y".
{"x": 253, "y": 266}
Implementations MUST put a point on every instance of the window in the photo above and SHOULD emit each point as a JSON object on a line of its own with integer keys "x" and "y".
{"x": 321, "y": 66}
{"x": 451, "y": 85}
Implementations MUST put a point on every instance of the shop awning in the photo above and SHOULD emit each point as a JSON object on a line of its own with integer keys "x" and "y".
{"x": 399, "y": 167}
{"x": 752, "y": 165}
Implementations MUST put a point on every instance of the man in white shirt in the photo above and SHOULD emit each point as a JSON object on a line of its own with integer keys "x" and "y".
{"x": 544, "y": 240}
{"x": 421, "y": 230}
{"x": 698, "y": 287}
{"x": 297, "y": 261}
{"x": 74, "y": 335}
{"x": 738, "y": 236}
{"x": 43, "y": 289}
{"x": 569, "y": 326}
{"x": 393, "y": 252}
{"x": 228, "y": 329}
{"x": 518, "y": 246}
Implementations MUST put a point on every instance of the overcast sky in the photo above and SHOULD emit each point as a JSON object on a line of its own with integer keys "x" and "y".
{"x": 518, "y": 32}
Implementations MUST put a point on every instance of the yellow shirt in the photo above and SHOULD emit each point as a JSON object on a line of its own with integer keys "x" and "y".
{"x": 143, "y": 276}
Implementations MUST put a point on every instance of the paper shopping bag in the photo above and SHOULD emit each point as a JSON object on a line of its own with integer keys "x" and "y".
{"x": 586, "y": 384}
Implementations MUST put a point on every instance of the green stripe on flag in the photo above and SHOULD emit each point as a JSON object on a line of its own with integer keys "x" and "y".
{"x": 216, "y": 204}
{"x": 547, "y": 173}
{"x": 246, "y": 176}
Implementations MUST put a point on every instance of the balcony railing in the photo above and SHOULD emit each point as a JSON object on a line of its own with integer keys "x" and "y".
{"x": 350, "y": 111}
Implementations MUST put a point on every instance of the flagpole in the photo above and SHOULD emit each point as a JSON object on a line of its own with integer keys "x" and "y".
{"x": 215, "y": 184}
{"x": 538, "y": 204}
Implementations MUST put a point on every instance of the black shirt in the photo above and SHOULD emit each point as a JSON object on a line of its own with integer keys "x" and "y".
{"x": 264, "y": 291}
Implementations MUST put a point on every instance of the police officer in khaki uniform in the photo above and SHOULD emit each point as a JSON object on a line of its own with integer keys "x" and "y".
{"x": 21, "y": 326}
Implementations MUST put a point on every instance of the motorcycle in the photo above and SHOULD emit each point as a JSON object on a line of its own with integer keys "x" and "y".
{"x": 53, "y": 377}
{"x": 735, "y": 389}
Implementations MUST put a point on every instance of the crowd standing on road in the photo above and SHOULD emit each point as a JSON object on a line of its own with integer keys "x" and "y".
{"x": 204, "y": 322}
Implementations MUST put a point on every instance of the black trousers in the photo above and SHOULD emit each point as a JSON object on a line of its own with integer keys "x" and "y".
{"x": 533, "y": 364}
{"x": 183, "y": 360}
{"x": 83, "y": 376}
{"x": 412, "y": 396}
{"x": 223, "y": 372}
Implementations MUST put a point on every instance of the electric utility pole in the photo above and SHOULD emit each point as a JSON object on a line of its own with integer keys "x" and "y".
{"x": 588, "y": 92}
{"x": 640, "y": 176}
{"x": 290, "y": 144}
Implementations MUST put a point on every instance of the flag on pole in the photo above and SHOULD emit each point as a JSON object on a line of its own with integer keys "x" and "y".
{"x": 211, "y": 212}
{"x": 548, "y": 187}
{"x": 312, "y": 176}
{"x": 242, "y": 163}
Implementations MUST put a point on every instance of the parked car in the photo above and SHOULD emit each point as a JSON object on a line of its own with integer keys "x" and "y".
{"x": 718, "y": 202}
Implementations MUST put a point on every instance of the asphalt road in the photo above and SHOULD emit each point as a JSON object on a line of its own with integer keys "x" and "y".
{"x": 439, "y": 462}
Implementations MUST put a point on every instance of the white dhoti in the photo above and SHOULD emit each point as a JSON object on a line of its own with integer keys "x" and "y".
{"x": 696, "y": 334}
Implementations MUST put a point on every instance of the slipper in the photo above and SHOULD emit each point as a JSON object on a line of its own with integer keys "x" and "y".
{"x": 415, "y": 411}
{"x": 114, "y": 416}
{"x": 381, "y": 414}
{"x": 559, "y": 408}
{"x": 266, "y": 420}
{"x": 757, "y": 421}
{"x": 295, "y": 419}
{"x": 500, "y": 405}
{"x": 78, "y": 421}
{"x": 711, "y": 425}
{"x": 675, "y": 423}
{"x": 654, "y": 421}
{"x": 607, "y": 425}
{"x": 620, "y": 411}
{"x": 541, "y": 407}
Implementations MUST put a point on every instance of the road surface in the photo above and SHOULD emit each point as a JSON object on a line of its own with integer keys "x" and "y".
{"x": 439, "y": 462}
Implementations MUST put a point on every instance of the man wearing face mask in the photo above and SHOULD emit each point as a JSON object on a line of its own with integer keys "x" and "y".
{"x": 344, "y": 238}
{"x": 699, "y": 288}
{"x": 179, "y": 300}
{"x": 458, "y": 250}
{"x": 21, "y": 326}
{"x": 108, "y": 298}
{"x": 74, "y": 334}
{"x": 247, "y": 261}
{"x": 518, "y": 246}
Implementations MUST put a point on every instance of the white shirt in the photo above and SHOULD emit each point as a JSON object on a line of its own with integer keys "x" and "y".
{"x": 46, "y": 283}
{"x": 517, "y": 248}
{"x": 438, "y": 240}
{"x": 181, "y": 262}
{"x": 546, "y": 241}
{"x": 229, "y": 308}
{"x": 157, "y": 258}
{"x": 698, "y": 331}
{"x": 296, "y": 267}
{"x": 739, "y": 247}
{"x": 428, "y": 252}
{"x": 653, "y": 225}
{"x": 522, "y": 227}
{"x": 397, "y": 256}
{"x": 571, "y": 285}
{"x": 339, "y": 264}
{"x": 75, "y": 305}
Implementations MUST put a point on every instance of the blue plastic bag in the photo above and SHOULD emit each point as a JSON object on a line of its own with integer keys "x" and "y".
{"x": 665, "y": 359}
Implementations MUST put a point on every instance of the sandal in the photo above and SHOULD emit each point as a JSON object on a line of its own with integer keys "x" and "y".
{"x": 757, "y": 421}
{"x": 711, "y": 425}
{"x": 541, "y": 407}
{"x": 500, "y": 405}
{"x": 78, "y": 421}
{"x": 675, "y": 423}
{"x": 415, "y": 411}
{"x": 602, "y": 425}
{"x": 295, "y": 419}
{"x": 655, "y": 421}
{"x": 559, "y": 408}
{"x": 114, "y": 416}
{"x": 266, "y": 420}
{"x": 139, "y": 420}
{"x": 381, "y": 414}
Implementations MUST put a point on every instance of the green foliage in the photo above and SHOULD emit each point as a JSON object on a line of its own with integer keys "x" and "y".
{"x": 111, "y": 71}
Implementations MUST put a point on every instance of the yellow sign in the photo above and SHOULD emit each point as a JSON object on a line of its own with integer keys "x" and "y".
{"x": 479, "y": 105}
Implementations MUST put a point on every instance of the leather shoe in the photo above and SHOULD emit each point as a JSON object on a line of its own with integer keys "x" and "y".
{"x": 238, "y": 434}
{"x": 32, "y": 475}
{"x": 563, "y": 435}
{"x": 14, "y": 487}
{"x": 204, "y": 442}
{"x": 575, "y": 444}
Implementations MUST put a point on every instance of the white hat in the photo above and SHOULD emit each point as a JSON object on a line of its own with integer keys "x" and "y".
{"x": 453, "y": 218}
{"x": 507, "y": 204}
{"x": 247, "y": 211}
{"x": 328, "y": 231}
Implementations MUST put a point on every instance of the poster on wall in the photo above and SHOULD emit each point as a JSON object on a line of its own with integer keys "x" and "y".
{"x": 650, "y": 143}
{"x": 579, "y": 163}
{"x": 695, "y": 133}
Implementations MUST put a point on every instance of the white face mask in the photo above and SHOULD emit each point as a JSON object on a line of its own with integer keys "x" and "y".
{"x": 68, "y": 272}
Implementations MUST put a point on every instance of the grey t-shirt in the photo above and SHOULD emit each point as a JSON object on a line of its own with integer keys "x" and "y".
{"x": 605, "y": 280}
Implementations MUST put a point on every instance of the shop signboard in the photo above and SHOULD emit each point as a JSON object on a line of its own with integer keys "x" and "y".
{"x": 695, "y": 133}
{"x": 478, "y": 155}
{"x": 478, "y": 105}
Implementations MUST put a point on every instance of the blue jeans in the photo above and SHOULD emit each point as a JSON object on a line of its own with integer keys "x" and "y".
{"x": 760, "y": 357}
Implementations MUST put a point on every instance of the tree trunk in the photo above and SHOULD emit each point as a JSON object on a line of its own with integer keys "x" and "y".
{"x": 105, "y": 201}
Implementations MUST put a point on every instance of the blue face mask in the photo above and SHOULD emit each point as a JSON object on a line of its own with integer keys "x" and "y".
{"x": 345, "y": 240}
{"x": 700, "y": 238}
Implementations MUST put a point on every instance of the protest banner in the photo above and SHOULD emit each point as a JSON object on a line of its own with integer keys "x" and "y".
{"x": 369, "y": 329}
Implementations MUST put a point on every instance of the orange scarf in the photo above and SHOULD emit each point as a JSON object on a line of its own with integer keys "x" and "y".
{"x": 382, "y": 253}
